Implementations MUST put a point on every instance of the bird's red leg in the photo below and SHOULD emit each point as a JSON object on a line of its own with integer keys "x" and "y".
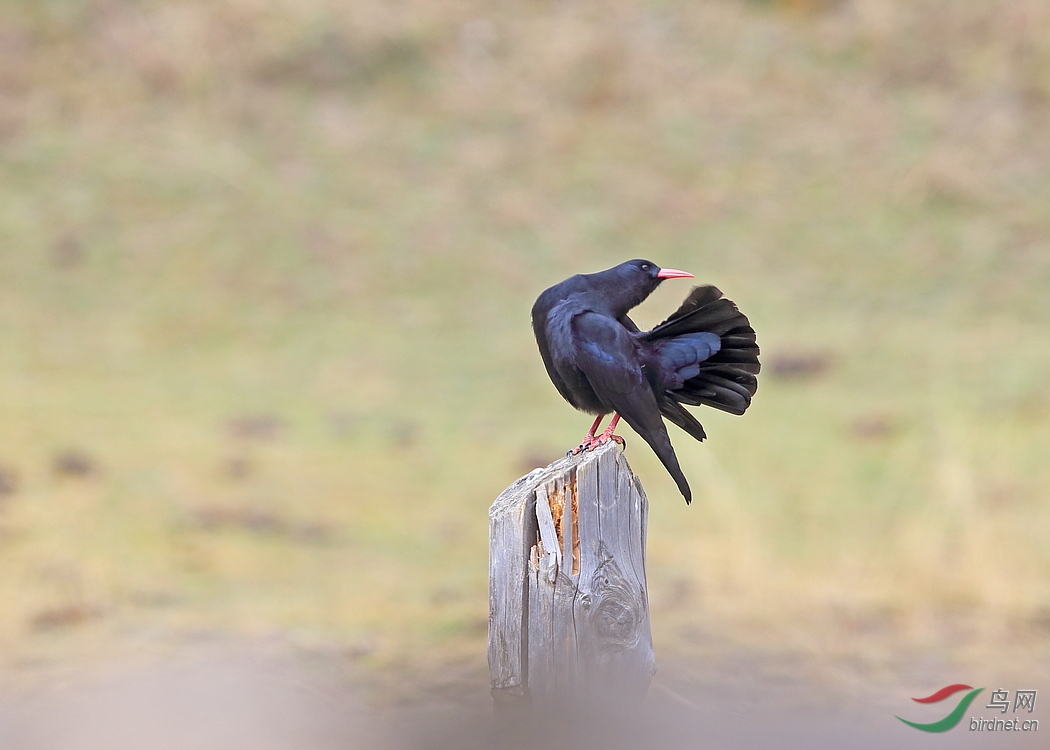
{"x": 588, "y": 441}
{"x": 606, "y": 436}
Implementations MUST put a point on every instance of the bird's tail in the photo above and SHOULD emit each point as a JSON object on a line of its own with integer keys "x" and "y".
{"x": 655, "y": 434}
{"x": 727, "y": 379}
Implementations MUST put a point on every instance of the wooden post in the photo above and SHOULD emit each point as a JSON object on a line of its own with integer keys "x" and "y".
{"x": 568, "y": 610}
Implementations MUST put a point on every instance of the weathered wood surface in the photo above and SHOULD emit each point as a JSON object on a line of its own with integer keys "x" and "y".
{"x": 568, "y": 609}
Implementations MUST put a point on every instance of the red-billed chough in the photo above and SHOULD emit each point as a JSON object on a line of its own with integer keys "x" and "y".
{"x": 704, "y": 354}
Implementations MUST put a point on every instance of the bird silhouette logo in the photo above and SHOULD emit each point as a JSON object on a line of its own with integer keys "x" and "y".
{"x": 952, "y": 718}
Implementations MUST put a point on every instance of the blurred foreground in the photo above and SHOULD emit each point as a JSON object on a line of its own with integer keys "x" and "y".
{"x": 266, "y": 699}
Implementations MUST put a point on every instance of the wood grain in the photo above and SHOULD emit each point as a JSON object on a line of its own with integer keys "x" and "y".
{"x": 568, "y": 605}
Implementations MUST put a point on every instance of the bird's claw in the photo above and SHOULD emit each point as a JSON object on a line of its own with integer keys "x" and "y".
{"x": 598, "y": 440}
{"x": 605, "y": 438}
{"x": 586, "y": 445}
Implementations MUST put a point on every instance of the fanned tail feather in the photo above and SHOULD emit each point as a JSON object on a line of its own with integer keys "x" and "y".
{"x": 678, "y": 414}
{"x": 726, "y": 380}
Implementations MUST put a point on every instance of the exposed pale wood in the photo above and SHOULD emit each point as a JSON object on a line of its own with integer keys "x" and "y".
{"x": 569, "y": 614}
{"x": 511, "y": 530}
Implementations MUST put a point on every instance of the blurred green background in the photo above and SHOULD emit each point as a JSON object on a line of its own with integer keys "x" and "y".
{"x": 265, "y": 277}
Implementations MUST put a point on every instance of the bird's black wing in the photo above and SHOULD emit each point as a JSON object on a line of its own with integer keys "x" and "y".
{"x": 606, "y": 353}
{"x": 630, "y": 325}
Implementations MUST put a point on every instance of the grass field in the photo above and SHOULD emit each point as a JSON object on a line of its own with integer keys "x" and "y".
{"x": 265, "y": 274}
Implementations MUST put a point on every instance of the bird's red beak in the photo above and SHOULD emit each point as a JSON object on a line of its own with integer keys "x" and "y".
{"x": 670, "y": 273}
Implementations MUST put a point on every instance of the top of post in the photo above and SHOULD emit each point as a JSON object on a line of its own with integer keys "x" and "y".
{"x": 566, "y": 465}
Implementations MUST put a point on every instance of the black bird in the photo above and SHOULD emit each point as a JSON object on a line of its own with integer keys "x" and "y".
{"x": 600, "y": 362}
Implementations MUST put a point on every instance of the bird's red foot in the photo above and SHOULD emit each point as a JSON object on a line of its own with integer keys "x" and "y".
{"x": 592, "y": 441}
{"x": 588, "y": 444}
{"x": 604, "y": 438}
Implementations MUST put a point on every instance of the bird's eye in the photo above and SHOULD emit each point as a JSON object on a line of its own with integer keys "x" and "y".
{"x": 645, "y": 266}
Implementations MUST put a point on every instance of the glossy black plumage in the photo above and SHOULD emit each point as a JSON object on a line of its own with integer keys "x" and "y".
{"x": 703, "y": 354}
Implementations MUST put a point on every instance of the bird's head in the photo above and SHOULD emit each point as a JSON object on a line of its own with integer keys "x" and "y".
{"x": 628, "y": 284}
